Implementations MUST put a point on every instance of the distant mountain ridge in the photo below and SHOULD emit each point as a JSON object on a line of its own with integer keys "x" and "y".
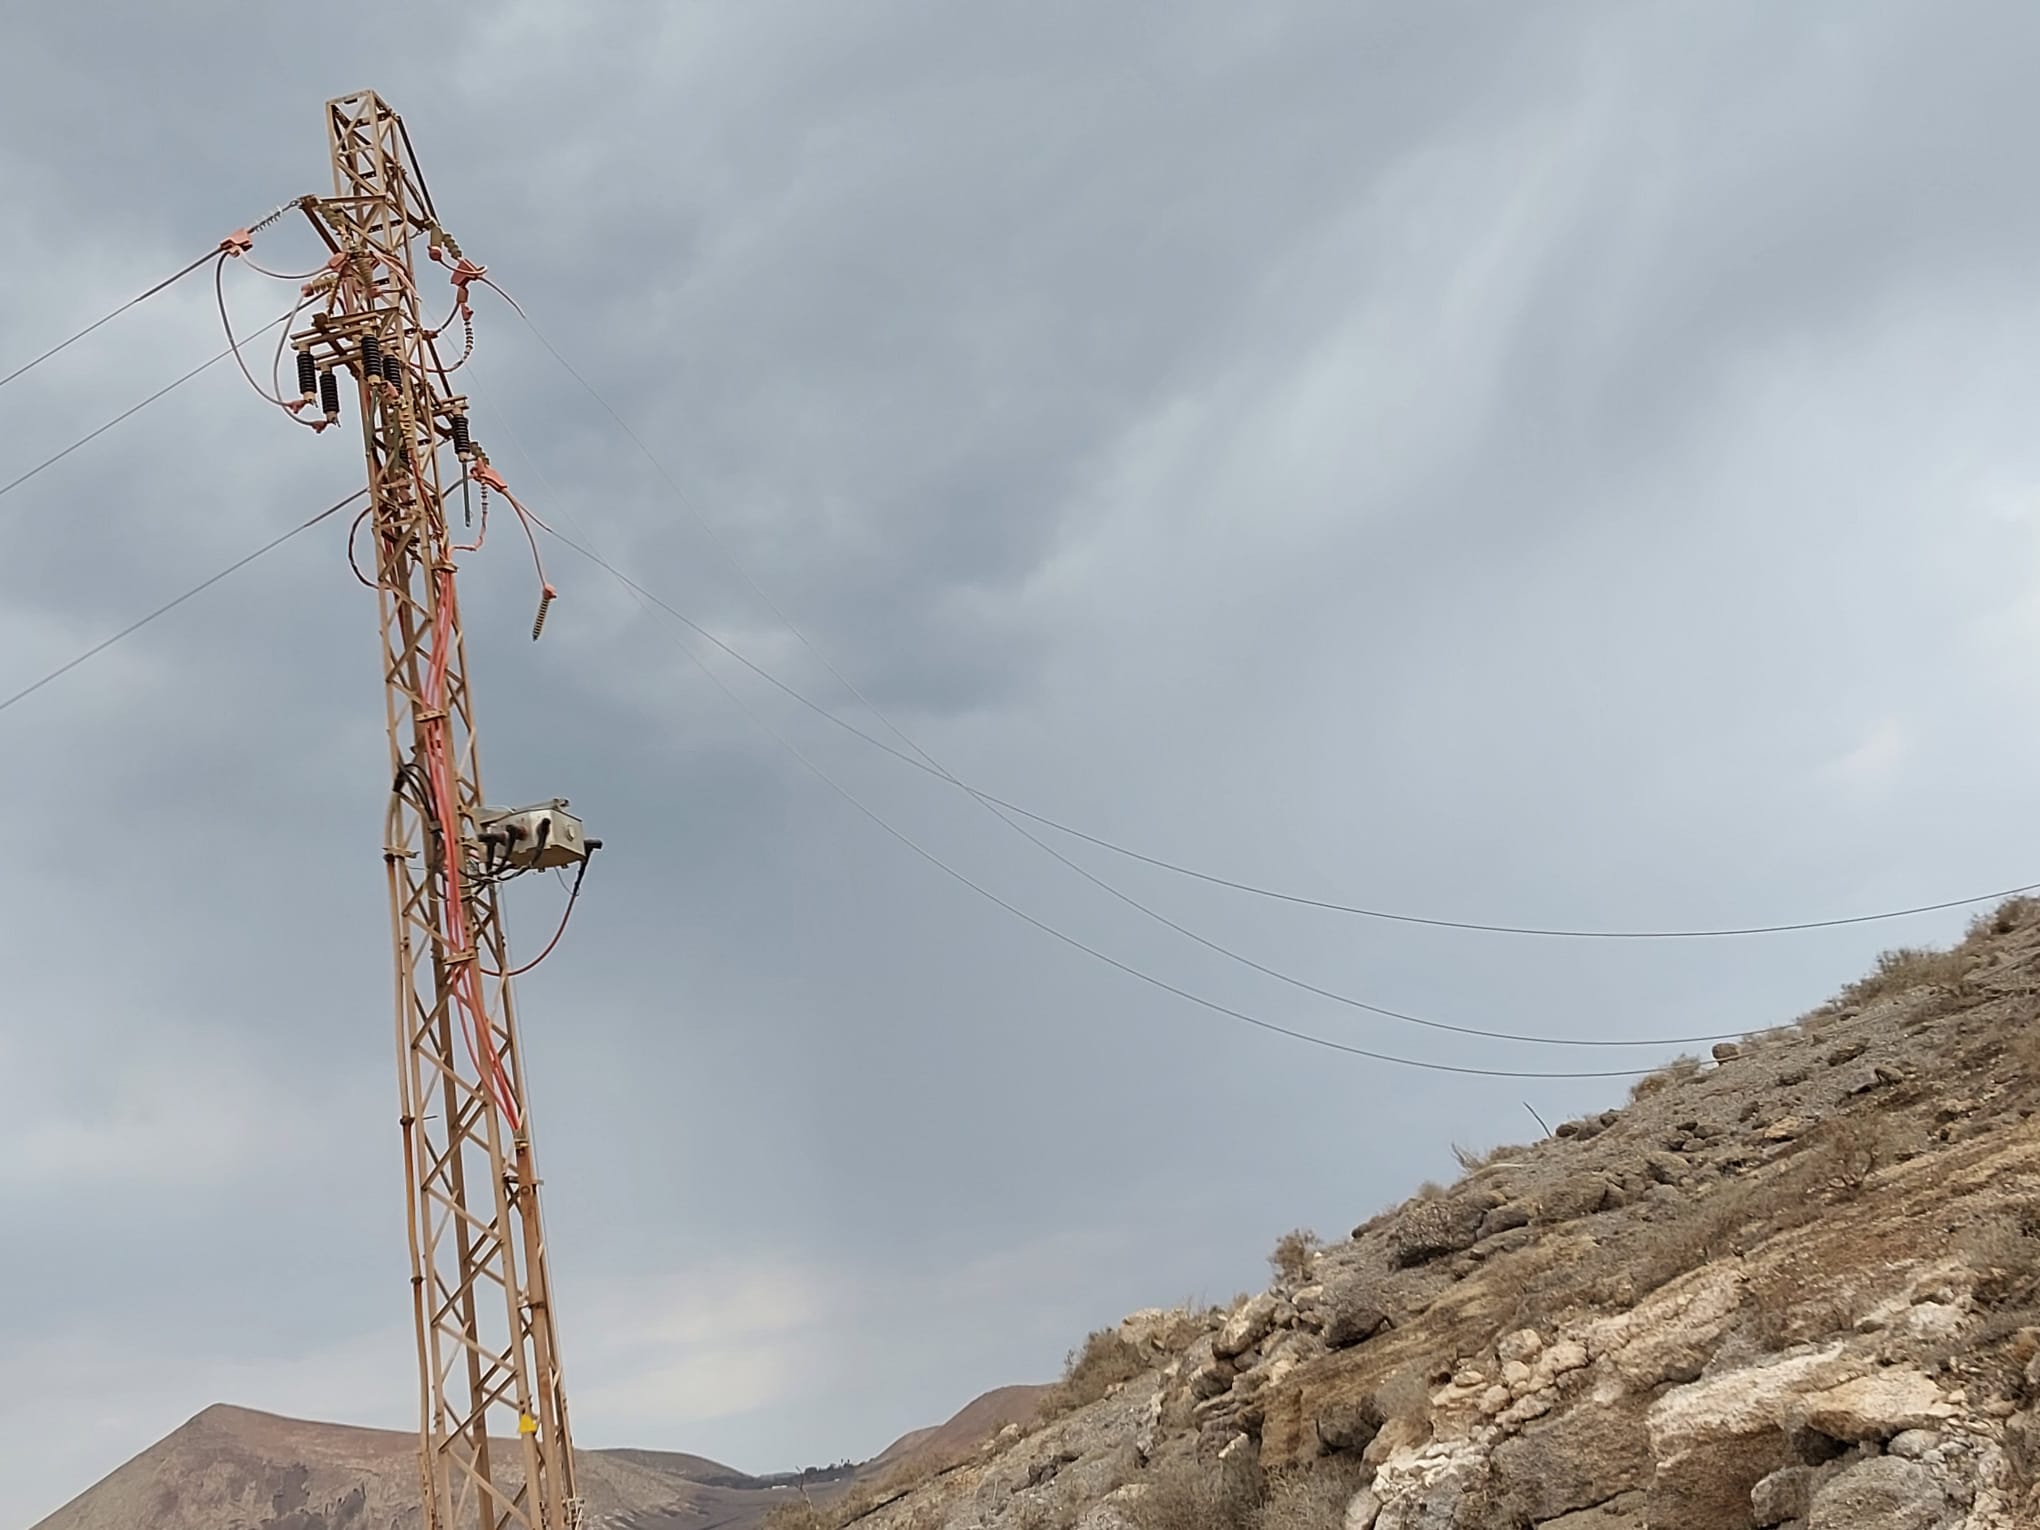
{"x": 231, "y": 1468}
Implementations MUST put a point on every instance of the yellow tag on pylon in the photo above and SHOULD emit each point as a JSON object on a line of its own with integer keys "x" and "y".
{"x": 526, "y": 1424}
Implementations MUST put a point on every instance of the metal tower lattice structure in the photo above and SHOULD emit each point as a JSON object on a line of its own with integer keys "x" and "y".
{"x": 488, "y": 1350}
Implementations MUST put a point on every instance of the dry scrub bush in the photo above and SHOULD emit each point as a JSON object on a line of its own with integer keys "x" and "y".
{"x": 1314, "y": 1498}
{"x": 1293, "y": 1254}
{"x": 1907, "y": 968}
{"x": 1472, "y": 1162}
{"x": 1677, "y": 1071}
{"x": 1192, "y": 1494}
{"x": 2012, "y": 914}
{"x": 1089, "y": 1373}
{"x": 798, "y": 1514}
{"x": 1850, "y": 1149}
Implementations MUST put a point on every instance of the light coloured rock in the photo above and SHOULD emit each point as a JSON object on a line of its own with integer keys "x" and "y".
{"x": 1424, "y": 1490}
{"x": 1671, "y": 1335}
{"x": 1783, "y": 1495}
{"x": 1522, "y": 1345}
{"x": 1150, "y": 1423}
{"x": 1144, "y": 1326}
{"x": 1715, "y": 1439}
{"x": 1911, "y": 1444}
{"x": 1397, "y": 1436}
{"x": 1752, "y": 1400}
{"x": 1527, "y": 1407}
{"x": 1362, "y": 1511}
{"x": 1563, "y": 1357}
{"x": 1884, "y": 1493}
{"x": 1246, "y": 1327}
{"x": 1516, "y": 1374}
{"x": 1877, "y": 1406}
{"x": 1494, "y": 1400}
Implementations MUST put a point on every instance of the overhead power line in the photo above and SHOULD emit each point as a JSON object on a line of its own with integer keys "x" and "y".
{"x": 141, "y": 297}
{"x": 1093, "y": 952}
{"x": 999, "y": 806}
{"x": 134, "y": 409}
{"x": 645, "y": 596}
{"x": 1132, "y": 902}
{"x": 170, "y": 605}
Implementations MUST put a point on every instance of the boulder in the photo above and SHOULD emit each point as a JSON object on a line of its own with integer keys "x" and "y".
{"x": 1579, "y": 1195}
{"x": 1884, "y": 1493}
{"x": 1666, "y": 1168}
{"x": 1726, "y": 1051}
{"x": 1429, "y": 1229}
{"x": 1581, "y": 1457}
{"x": 1877, "y": 1406}
{"x": 1354, "y": 1310}
{"x": 1506, "y": 1217}
{"x": 1246, "y": 1327}
{"x": 1913, "y": 1443}
{"x": 1783, "y": 1495}
{"x": 1212, "y": 1379}
{"x": 1714, "y": 1440}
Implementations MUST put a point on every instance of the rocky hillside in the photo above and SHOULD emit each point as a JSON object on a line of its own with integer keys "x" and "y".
{"x": 1796, "y": 1284}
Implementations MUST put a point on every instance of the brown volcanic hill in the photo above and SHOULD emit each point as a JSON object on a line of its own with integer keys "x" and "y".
{"x": 971, "y": 1425}
{"x": 236, "y": 1469}
{"x": 1793, "y": 1285}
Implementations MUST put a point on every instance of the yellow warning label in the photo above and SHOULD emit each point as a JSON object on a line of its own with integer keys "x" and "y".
{"x": 526, "y": 1424}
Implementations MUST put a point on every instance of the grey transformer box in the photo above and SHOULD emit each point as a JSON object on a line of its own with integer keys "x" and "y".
{"x": 535, "y": 838}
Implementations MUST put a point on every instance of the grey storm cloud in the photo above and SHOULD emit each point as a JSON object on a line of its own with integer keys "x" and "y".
{"x": 1567, "y": 465}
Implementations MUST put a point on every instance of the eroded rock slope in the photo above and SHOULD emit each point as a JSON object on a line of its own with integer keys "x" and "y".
{"x": 1796, "y": 1284}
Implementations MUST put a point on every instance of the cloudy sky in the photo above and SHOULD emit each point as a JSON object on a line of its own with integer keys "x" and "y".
{"x": 1570, "y": 464}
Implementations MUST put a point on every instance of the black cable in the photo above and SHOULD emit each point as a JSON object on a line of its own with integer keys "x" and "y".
{"x": 1501, "y": 929}
{"x": 1187, "y": 933}
{"x": 639, "y": 590}
{"x": 130, "y": 303}
{"x": 168, "y": 606}
{"x": 135, "y": 409}
{"x": 1112, "y": 961}
{"x": 254, "y": 228}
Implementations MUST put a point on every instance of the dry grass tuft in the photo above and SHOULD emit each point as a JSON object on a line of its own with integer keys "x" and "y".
{"x": 1908, "y": 968}
{"x": 1677, "y": 1071}
{"x": 1312, "y": 1499}
{"x": 1089, "y": 1373}
{"x": 1294, "y": 1253}
{"x": 2010, "y": 915}
{"x": 1192, "y": 1494}
{"x": 1472, "y": 1162}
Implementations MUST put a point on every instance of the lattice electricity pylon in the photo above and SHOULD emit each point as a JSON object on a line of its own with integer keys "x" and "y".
{"x": 482, "y": 1297}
